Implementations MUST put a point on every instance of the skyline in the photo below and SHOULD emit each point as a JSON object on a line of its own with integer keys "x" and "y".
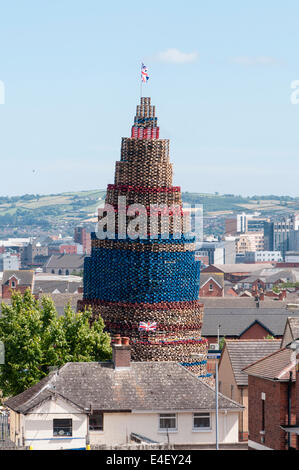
{"x": 221, "y": 85}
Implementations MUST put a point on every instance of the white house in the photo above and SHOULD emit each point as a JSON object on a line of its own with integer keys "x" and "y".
{"x": 104, "y": 403}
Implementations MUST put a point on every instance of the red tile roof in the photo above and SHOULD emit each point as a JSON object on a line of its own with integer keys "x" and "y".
{"x": 276, "y": 366}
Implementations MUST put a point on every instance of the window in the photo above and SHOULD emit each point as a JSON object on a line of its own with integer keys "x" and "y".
{"x": 168, "y": 421}
{"x": 96, "y": 421}
{"x": 13, "y": 284}
{"x": 211, "y": 287}
{"x": 201, "y": 421}
{"x": 62, "y": 427}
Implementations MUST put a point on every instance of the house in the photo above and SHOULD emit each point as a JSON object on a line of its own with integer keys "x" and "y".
{"x": 57, "y": 284}
{"x": 64, "y": 264}
{"x": 266, "y": 279}
{"x": 272, "y": 401}
{"x": 105, "y": 403}
{"x": 244, "y": 318}
{"x": 233, "y": 382}
{"x": 211, "y": 282}
{"x": 16, "y": 281}
{"x": 238, "y": 271}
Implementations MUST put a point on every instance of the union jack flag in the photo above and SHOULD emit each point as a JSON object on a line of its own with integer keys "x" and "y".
{"x": 148, "y": 326}
{"x": 144, "y": 74}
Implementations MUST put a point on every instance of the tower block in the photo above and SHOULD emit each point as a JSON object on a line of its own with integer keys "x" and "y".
{"x": 147, "y": 288}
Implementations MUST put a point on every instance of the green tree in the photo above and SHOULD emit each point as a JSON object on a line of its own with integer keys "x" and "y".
{"x": 222, "y": 342}
{"x": 35, "y": 339}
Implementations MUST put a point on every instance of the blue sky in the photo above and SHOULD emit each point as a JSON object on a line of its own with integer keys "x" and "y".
{"x": 220, "y": 77}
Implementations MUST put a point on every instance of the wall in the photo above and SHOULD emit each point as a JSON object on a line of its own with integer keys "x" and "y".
{"x": 275, "y": 412}
{"x": 205, "y": 291}
{"x": 118, "y": 426}
{"x": 39, "y": 426}
{"x": 6, "y": 290}
{"x": 256, "y": 331}
{"x": 240, "y": 394}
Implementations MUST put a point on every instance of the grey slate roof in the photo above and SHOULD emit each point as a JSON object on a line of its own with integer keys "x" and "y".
{"x": 65, "y": 261}
{"x": 25, "y": 277}
{"x": 245, "y": 352}
{"x": 241, "y": 302}
{"x": 48, "y": 287}
{"x": 144, "y": 386}
{"x": 234, "y": 321}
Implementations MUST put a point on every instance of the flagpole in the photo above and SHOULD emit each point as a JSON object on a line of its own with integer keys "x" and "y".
{"x": 140, "y": 82}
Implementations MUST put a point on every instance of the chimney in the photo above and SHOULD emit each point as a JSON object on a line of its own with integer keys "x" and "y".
{"x": 121, "y": 352}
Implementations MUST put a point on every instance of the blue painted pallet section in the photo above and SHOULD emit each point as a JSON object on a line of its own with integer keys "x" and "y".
{"x": 141, "y": 277}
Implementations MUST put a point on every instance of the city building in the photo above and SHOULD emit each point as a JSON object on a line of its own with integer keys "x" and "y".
{"x": 262, "y": 257}
{"x": 272, "y": 401}
{"x": 220, "y": 252}
{"x": 107, "y": 404}
{"x": 242, "y": 223}
{"x": 64, "y": 264}
{"x": 9, "y": 261}
{"x": 35, "y": 254}
{"x": 82, "y": 237}
{"x": 250, "y": 241}
{"x": 292, "y": 257}
{"x": 233, "y": 382}
{"x": 278, "y": 234}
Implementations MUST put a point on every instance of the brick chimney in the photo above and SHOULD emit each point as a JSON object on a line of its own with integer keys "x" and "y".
{"x": 121, "y": 352}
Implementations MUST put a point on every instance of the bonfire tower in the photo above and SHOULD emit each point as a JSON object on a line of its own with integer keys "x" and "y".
{"x": 148, "y": 289}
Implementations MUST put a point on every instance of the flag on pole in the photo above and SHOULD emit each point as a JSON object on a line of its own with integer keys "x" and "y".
{"x": 144, "y": 74}
{"x": 148, "y": 326}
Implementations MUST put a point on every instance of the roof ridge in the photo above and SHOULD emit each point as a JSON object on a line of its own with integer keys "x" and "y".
{"x": 231, "y": 340}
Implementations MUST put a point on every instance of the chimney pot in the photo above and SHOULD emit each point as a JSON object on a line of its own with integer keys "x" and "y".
{"x": 125, "y": 341}
{"x": 116, "y": 339}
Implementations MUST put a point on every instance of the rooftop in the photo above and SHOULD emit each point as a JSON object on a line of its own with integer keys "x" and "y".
{"x": 244, "y": 352}
{"x": 276, "y": 366}
{"x": 235, "y": 321}
{"x": 142, "y": 386}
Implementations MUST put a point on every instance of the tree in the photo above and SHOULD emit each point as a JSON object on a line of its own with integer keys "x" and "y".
{"x": 35, "y": 339}
{"x": 221, "y": 342}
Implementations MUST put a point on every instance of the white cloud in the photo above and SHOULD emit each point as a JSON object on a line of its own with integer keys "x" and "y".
{"x": 253, "y": 61}
{"x": 174, "y": 56}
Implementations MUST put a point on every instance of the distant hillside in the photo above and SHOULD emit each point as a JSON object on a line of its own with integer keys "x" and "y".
{"x": 33, "y": 213}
